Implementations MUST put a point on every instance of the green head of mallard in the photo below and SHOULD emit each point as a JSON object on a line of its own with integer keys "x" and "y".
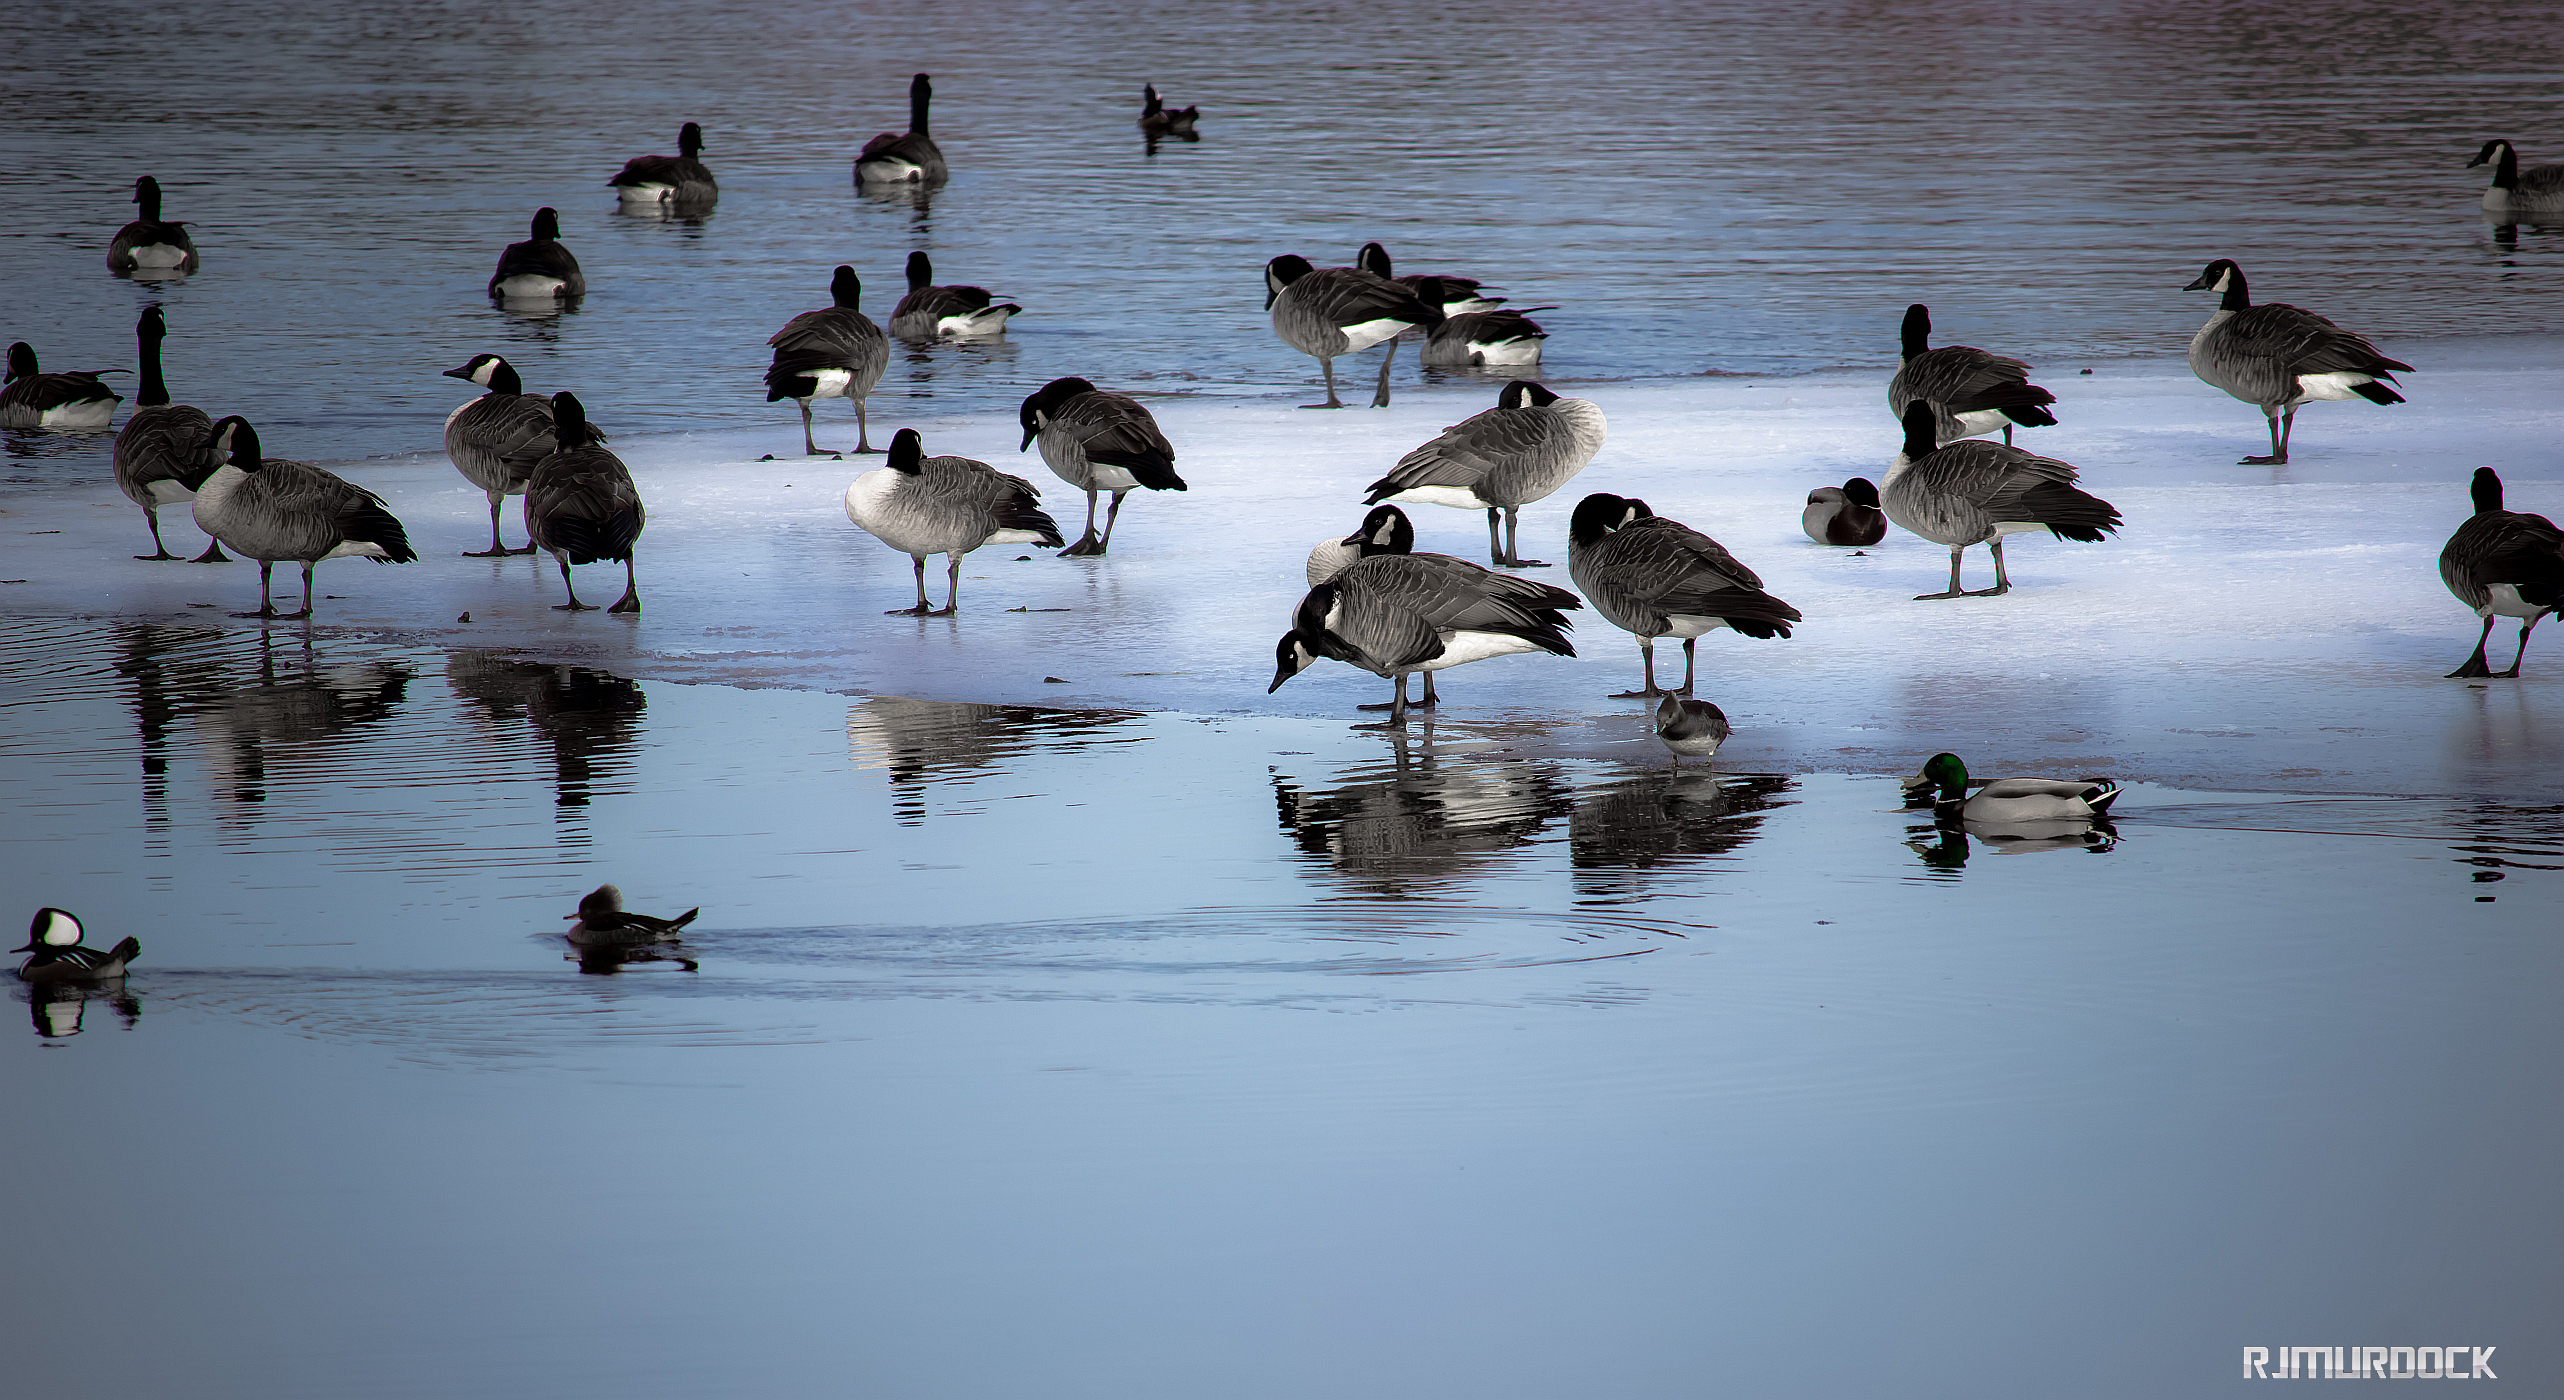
{"x": 1944, "y": 777}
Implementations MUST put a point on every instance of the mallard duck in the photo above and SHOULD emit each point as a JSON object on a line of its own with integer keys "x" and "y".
{"x": 151, "y": 243}
{"x": 1523, "y": 449}
{"x": 1397, "y": 614}
{"x": 1652, "y": 577}
{"x": 676, "y": 179}
{"x": 921, "y": 505}
{"x": 166, "y": 449}
{"x": 891, "y": 159}
{"x": 540, "y": 267}
{"x": 2010, "y": 801}
{"x": 1690, "y": 728}
{"x": 54, "y": 939}
{"x": 2502, "y": 564}
{"x": 1097, "y": 441}
{"x": 1973, "y": 391}
{"x": 1324, "y": 312}
{"x": 2281, "y": 357}
{"x": 1848, "y": 514}
{"x": 602, "y": 919}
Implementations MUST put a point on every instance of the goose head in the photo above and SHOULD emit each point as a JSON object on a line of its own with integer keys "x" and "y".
{"x": 907, "y": 453}
{"x": 1861, "y": 491}
{"x": 1282, "y": 272}
{"x": 2486, "y": 489}
{"x": 547, "y": 225}
{"x": 1386, "y": 530}
{"x": 921, "y": 271}
{"x": 604, "y": 899}
{"x": 236, "y": 443}
{"x": 1374, "y": 259}
{"x": 846, "y": 289}
{"x": 487, "y": 371}
{"x": 2493, "y": 150}
{"x": 1524, "y": 393}
{"x": 1601, "y": 513}
{"x": 2220, "y": 276}
{"x": 1045, "y": 401}
{"x": 52, "y": 928}
{"x": 569, "y": 421}
{"x": 690, "y": 141}
{"x": 1291, "y": 656}
{"x": 22, "y": 360}
{"x": 1916, "y": 334}
{"x": 152, "y": 325}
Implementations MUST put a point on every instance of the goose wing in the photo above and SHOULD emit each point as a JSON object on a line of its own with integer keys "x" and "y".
{"x": 1349, "y": 296}
{"x": 1655, "y": 569}
{"x": 540, "y": 257}
{"x": 499, "y": 439}
{"x": 832, "y": 337}
{"x": 2304, "y": 343}
{"x": 168, "y": 442}
{"x": 1117, "y": 430}
{"x": 1964, "y": 379}
{"x": 292, "y": 490}
{"x": 1454, "y": 595}
{"x": 1010, "y": 502}
{"x": 1472, "y": 448}
{"x": 651, "y": 170}
{"x": 583, "y": 502}
{"x": 2500, "y": 546}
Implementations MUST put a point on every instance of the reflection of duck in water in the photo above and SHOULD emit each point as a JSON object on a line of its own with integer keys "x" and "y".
{"x": 58, "y": 955}
{"x": 1432, "y": 823}
{"x": 2017, "y": 814}
{"x": 56, "y": 1008}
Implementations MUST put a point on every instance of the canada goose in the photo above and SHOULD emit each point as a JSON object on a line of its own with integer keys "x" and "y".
{"x": 910, "y": 159}
{"x": 539, "y": 267}
{"x": 1097, "y": 441}
{"x": 921, "y": 505}
{"x": 1846, "y": 515}
{"x": 676, "y": 179}
{"x": 54, "y": 939}
{"x": 1972, "y": 492}
{"x": 1452, "y": 294}
{"x": 62, "y": 399}
{"x": 1530, "y": 444}
{"x": 165, "y": 451}
{"x": 2536, "y": 190}
{"x": 582, "y": 506}
{"x": 1386, "y": 530}
{"x": 832, "y": 353}
{"x": 1396, "y": 614}
{"x": 270, "y": 509}
{"x": 1690, "y": 728}
{"x": 1474, "y": 338}
{"x": 2502, "y": 564}
{"x": 1975, "y": 391}
{"x": 496, "y": 440}
{"x": 603, "y": 919}
{"x": 2280, "y": 357}
{"x": 2011, "y": 801}
{"x": 1326, "y": 312}
{"x": 963, "y": 313}
{"x": 1652, "y": 577}
{"x": 151, "y": 243}
{"x": 1158, "y": 119}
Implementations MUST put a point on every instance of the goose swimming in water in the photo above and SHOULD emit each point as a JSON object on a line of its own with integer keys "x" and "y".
{"x": 166, "y": 449}
{"x": 1331, "y": 311}
{"x": 1848, "y": 514}
{"x": 1157, "y": 119}
{"x": 676, "y": 179}
{"x": 921, "y": 505}
{"x": 2280, "y": 357}
{"x": 1475, "y": 338}
{"x": 890, "y": 159}
{"x": 539, "y": 267}
{"x": 835, "y": 352}
{"x": 269, "y": 509}
{"x": 2010, "y": 801}
{"x": 62, "y": 399}
{"x": 1530, "y": 444}
{"x": 1974, "y": 390}
{"x": 1690, "y": 728}
{"x": 603, "y": 919}
{"x": 1973, "y": 492}
{"x": 151, "y": 243}
{"x": 929, "y": 312}
{"x": 1097, "y": 441}
{"x": 54, "y": 939}
{"x": 2503, "y": 564}
{"x": 498, "y": 439}
{"x": 582, "y": 506}
{"x": 1652, "y": 577}
{"x": 1396, "y": 614}
{"x": 2539, "y": 189}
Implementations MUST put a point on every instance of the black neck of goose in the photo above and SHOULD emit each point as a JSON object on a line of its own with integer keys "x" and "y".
{"x": 1916, "y": 335}
{"x": 155, "y": 391}
{"x": 569, "y": 420}
{"x": 907, "y": 453}
{"x": 2237, "y": 297}
{"x": 690, "y": 141}
{"x": 2506, "y": 168}
{"x": 1148, "y": 95}
{"x": 244, "y": 449}
{"x": 22, "y": 361}
{"x": 147, "y": 194}
{"x": 504, "y": 379}
{"x": 921, "y": 272}
{"x": 919, "y": 93}
{"x": 847, "y": 289}
{"x": 1921, "y": 438}
{"x": 547, "y": 226}
{"x": 2487, "y": 490}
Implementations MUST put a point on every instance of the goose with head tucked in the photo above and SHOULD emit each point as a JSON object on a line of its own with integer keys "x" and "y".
{"x": 1848, "y": 514}
{"x": 1526, "y": 447}
{"x": 1157, "y": 119}
{"x": 2279, "y": 358}
{"x": 166, "y": 449}
{"x": 1690, "y": 728}
{"x": 930, "y": 312}
{"x": 1476, "y": 339}
{"x": 2009, "y": 802}
{"x": 1652, "y": 577}
{"x": 60, "y": 956}
{"x": 1097, "y": 441}
{"x": 1385, "y": 530}
{"x": 2530, "y": 192}
{"x": 2502, "y": 563}
{"x": 911, "y": 159}
{"x": 921, "y": 505}
{"x": 835, "y": 352}
{"x": 1975, "y": 391}
{"x": 1450, "y": 293}
{"x": 660, "y": 180}
{"x": 539, "y": 268}
{"x": 60, "y": 399}
{"x": 269, "y": 509}
{"x": 498, "y": 439}
{"x": 151, "y": 243}
{"x": 1323, "y": 312}
{"x": 581, "y": 505}
{"x": 1396, "y": 614}
{"x": 1975, "y": 492}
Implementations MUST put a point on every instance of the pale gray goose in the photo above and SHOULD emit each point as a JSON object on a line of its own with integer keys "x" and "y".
{"x": 921, "y": 505}
{"x": 1097, "y": 441}
{"x": 835, "y": 352}
{"x": 1690, "y": 728}
{"x": 581, "y": 505}
{"x": 1652, "y": 577}
{"x": 498, "y": 439}
{"x": 1975, "y": 391}
{"x": 1530, "y": 444}
{"x": 151, "y": 243}
{"x": 2503, "y": 563}
{"x": 2539, "y": 189}
{"x": 1848, "y": 514}
{"x": 540, "y": 267}
{"x": 166, "y": 449}
{"x": 1331, "y": 311}
{"x": 33, "y": 398}
{"x": 1473, "y": 339}
{"x": 2279, "y": 357}
{"x": 269, "y": 509}
{"x": 914, "y": 158}
{"x": 678, "y": 179}
{"x": 1973, "y": 492}
{"x": 1397, "y": 614}
{"x": 929, "y": 312}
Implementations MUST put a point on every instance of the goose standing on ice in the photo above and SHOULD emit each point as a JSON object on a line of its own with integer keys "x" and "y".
{"x": 1848, "y": 514}
{"x": 835, "y": 352}
{"x": 166, "y": 449}
{"x": 270, "y": 509}
{"x": 921, "y": 505}
{"x": 888, "y": 159}
{"x": 2280, "y": 357}
{"x": 1652, "y": 577}
{"x": 1530, "y": 444}
{"x": 151, "y": 243}
{"x": 1324, "y": 312}
{"x": 539, "y": 267}
{"x": 1397, "y": 614}
{"x": 1476, "y": 338}
{"x": 2503, "y": 564}
{"x": 1097, "y": 441}
{"x": 929, "y": 312}
{"x": 676, "y": 179}
{"x": 1157, "y": 119}
{"x": 54, "y": 939}
{"x": 1975, "y": 391}
{"x": 581, "y": 505}
{"x": 1972, "y": 492}
{"x": 498, "y": 439}
{"x": 32, "y": 398}
{"x": 1690, "y": 728}
{"x": 1386, "y": 530}
{"x": 2537, "y": 190}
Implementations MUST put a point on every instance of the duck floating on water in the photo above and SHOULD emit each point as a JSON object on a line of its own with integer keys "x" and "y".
{"x": 60, "y": 399}
{"x": 59, "y": 955}
{"x": 2010, "y": 801}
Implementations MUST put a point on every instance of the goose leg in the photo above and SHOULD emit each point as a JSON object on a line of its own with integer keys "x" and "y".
{"x": 1688, "y": 644}
{"x": 574, "y": 605}
{"x": 1426, "y": 703}
{"x": 1086, "y": 543}
{"x": 1646, "y": 653}
{"x": 307, "y": 594}
{"x": 863, "y": 431}
{"x": 1327, "y": 363}
{"x": 158, "y": 550}
{"x": 2475, "y": 665}
{"x": 496, "y": 549}
{"x": 2002, "y": 581}
{"x": 267, "y": 567}
{"x": 213, "y": 554}
{"x": 1380, "y": 398}
{"x": 1953, "y": 590}
{"x": 952, "y": 588}
{"x": 1112, "y": 513}
{"x": 920, "y": 610}
{"x": 2279, "y": 427}
{"x": 631, "y": 601}
{"x": 2524, "y": 629}
{"x": 1513, "y": 541}
{"x": 809, "y": 445}
{"x": 2007, "y": 435}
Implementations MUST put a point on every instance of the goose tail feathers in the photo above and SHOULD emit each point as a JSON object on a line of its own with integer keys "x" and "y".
{"x": 2376, "y": 392}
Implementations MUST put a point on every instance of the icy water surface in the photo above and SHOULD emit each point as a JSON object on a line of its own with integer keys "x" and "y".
{"x": 1098, "y": 1053}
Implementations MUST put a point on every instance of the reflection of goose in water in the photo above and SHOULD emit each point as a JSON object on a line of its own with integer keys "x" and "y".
{"x": 1423, "y": 824}
{"x": 1663, "y": 817}
{"x": 292, "y": 723}
{"x": 929, "y": 741}
{"x": 591, "y": 719}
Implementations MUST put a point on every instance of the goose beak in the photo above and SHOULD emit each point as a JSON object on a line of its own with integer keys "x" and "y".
{"x": 2200, "y": 284}
{"x": 1029, "y": 435}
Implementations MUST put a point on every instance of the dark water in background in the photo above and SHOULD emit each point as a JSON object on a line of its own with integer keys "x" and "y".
{"x": 1732, "y": 189}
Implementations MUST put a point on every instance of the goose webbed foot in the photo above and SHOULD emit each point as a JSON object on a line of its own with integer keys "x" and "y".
{"x": 2276, "y": 459}
{"x": 1392, "y": 704}
{"x": 1507, "y": 563}
{"x": 155, "y": 558}
{"x": 1996, "y": 591}
{"x": 1650, "y": 693}
{"x": 630, "y": 603}
{"x": 2475, "y": 666}
{"x": 921, "y": 610}
{"x": 495, "y": 552}
{"x": 213, "y": 555}
{"x": 1331, "y": 403}
{"x": 574, "y": 605}
{"x": 1086, "y": 544}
